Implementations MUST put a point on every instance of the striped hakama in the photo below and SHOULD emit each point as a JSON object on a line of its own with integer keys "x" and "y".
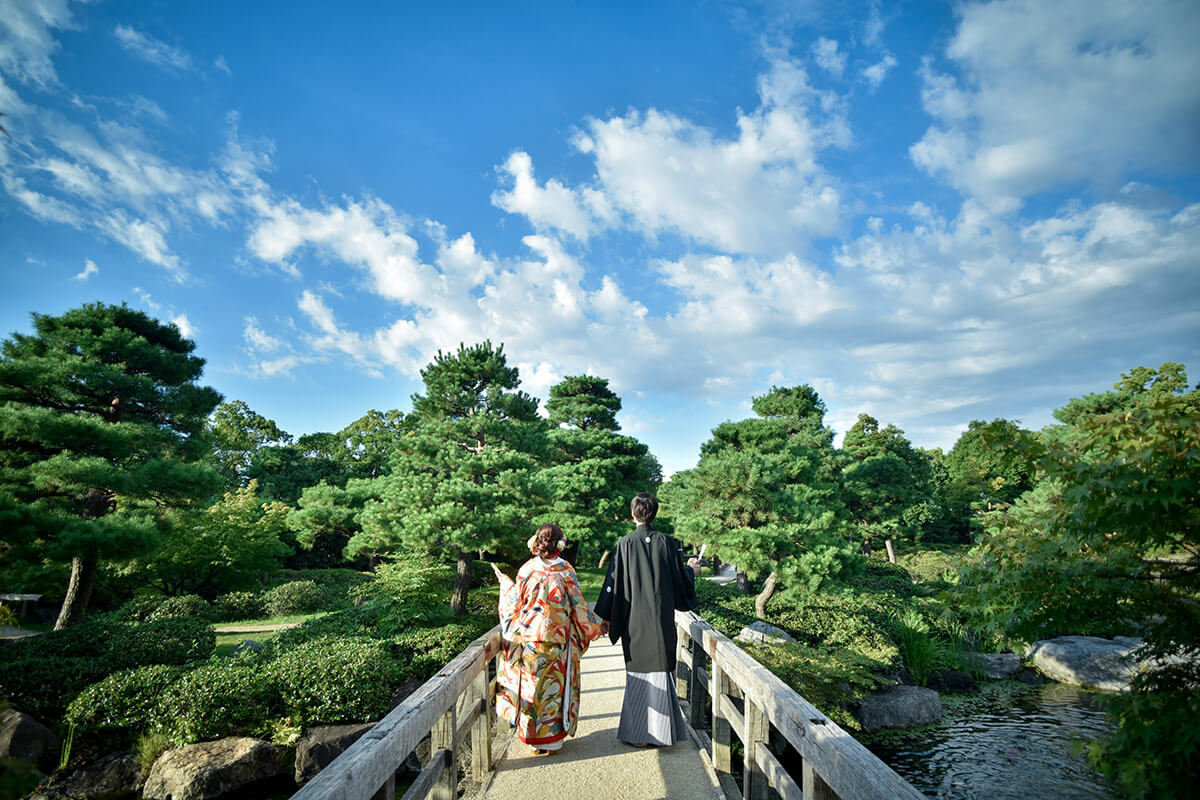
{"x": 650, "y": 713}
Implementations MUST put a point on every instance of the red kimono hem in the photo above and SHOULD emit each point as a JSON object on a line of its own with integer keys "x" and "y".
{"x": 543, "y": 740}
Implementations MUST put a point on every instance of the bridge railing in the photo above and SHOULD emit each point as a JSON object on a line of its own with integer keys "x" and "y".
{"x": 834, "y": 764}
{"x": 453, "y": 705}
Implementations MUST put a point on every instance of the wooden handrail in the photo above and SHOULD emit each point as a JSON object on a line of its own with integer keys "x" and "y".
{"x": 368, "y": 767}
{"x": 835, "y": 764}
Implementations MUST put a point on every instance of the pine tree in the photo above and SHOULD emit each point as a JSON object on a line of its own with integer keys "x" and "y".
{"x": 101, "y": 425}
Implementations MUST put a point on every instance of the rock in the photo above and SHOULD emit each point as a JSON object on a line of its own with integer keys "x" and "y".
{"x": 24, "y": 738}
{"x": 953, "y": 681}
{"x": 209, "y": 769}
{"x": 246, "y": 646}
{"x": 899, "y": 707}
{"x": 112, "y": 776}
{"x": 998, "y": 666}
{"x": 1030, "y": 676}
{"x": 763, "y": 632}
{"x": 321, "y": 745}
{"x": 1086, "y": 661}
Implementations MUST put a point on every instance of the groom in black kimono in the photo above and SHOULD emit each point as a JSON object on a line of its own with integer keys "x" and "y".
{"x": 646, "y": 582}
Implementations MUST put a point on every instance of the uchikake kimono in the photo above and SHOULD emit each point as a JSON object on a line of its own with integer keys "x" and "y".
{"x": 547, "y": 626}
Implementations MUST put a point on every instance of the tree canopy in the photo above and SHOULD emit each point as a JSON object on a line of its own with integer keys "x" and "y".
{"x": 101, "y": 427}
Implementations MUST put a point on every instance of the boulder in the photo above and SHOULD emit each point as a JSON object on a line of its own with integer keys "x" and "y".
{"x": 1030, "y": 676}
{"x": 953, "y": 681}
{"x": 999, "y": 666}
{"x": 1086, "y": 661}
{"x": 210, "y": 769}
{"x": 763, "y": 632}
{"x": 899, "y": 707}
{"x": 246, "y": 646}
{"x": 321, "y": 745}
{"x": 23, "y": 737}
{"x": 113, "y": 776}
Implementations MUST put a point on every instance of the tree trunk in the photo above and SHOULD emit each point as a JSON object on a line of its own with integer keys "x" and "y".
{"x": 891, "y": 553}
{"x": 760, "y": 602}
{"x": 604, "y": 559}
{"x": 743, "y": 582}
{"x": 79, "y": 592}
{"x": 462, "y": 582}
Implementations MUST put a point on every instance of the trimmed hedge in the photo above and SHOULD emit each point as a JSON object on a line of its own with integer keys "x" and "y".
{"x": 129, "y": 699}
{"x": 238, "y": 606}
{"x": 335, "y": 680}
{"x": 297, "y": 597}
{"x": 188, "y": 605}
{"x": 224, "y": 697}
{"x": 174, "y": 640}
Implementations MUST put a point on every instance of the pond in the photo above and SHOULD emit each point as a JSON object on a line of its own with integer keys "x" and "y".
{"x": 1008, "y": 742}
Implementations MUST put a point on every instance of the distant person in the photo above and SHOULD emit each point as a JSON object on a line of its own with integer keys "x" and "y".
{"x": 547, "y": 626}
{"x": 646, "y": 583}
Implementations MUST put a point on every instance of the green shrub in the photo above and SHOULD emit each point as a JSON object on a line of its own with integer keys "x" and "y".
{"x": 1152, "y": 749}
{"x": 334, "y": 680}
{"x": 188, "y": 605}
{"x": 296, "y": 597}
{"x": 43, "y": 686}
{"x": 140, "y": 608}
{"x": 355, "y": 623}
{"x": 89, "y": 638}
{"x": 148, "y": 747}
{"x": 922, "y": 652}
{"x": 409, "y": 593}
{"x": 423, "y": 651}
{"x": 127, "y": 700}
{"x": 829, "y": 678}
{"x": 237, "y": 606}
{"x": 334, "y": 585}
{"x": 223, "y": 697}
{"x": 174, "y": 640}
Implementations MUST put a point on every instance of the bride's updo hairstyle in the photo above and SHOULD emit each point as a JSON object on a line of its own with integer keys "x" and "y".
{"x": 548, "y": 542}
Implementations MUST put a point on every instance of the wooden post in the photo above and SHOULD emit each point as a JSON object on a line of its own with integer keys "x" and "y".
{"x": 388, "y": 790}
{"x": 481, "y": 731}
{"x": 813, "y": 786}
{"x": 755, "y": 785}
{"x": 442, "y": 738}
{"x": 891, "y": 552}
{"x": 696, "y": 687}
{"x": 722, "y": 733}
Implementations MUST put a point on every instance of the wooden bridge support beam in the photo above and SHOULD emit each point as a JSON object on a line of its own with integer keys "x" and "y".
{"x": 442, "y": 737}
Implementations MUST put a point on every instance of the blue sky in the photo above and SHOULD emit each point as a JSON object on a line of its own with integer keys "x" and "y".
{"x": 932, "y": 212}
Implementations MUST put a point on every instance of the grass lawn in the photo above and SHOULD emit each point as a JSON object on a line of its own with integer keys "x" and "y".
{"x": 229, "y": 634}
{"x": 590, "y": 581}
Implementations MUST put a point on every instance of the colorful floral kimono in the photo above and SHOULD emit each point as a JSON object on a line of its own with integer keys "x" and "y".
{"x": 547, "y": 626}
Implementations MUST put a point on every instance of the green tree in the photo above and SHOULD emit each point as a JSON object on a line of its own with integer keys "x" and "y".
{"x": 988, "y": 467}
{"x": 467, "y": 480}
{"x": 594, "y": 471}
{"x": 1110, "y": 537}
{"x": 218, "y": 549}
{"x": 284, "y": 471}
{"x": 758, "y": 497}
{"x": 101, "y": 427}
{"x": 237, "y": 434}
{"x": 367, "y": 443}
{"x": 326, "y": 520}
{"x": 888, "y": 482}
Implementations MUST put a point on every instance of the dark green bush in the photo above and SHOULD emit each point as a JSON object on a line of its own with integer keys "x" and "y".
{"x": 43, "y": 686}
{"x": 175, "y": 640}
{"x": 297, "y": 597}
{"x": 335, "y": 680}
{"x": 223, "y": 697}
{"x": 421, "y": 652}
{"x": 237, "y": 606}
{"x": 829, "y": 678}
{"x": 140, "y": 608}
{"x": 89, "y": 638}
{"x": 188, "y": 605}
{"x": 127, "y": 700}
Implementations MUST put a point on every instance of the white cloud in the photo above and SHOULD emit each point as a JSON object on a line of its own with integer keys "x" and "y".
{"x": 875, "y": 73}
{"x": 146, "y": 237}
{"x": 144, "y": 297}
{"x": 551, "y": 206}
{"x": 185, "y": 326}
{"x": 27, "y": 45}
{"x": 828, "y": 57}
{"x": 89, "y": 269}
{"x": 1046, "y": 95}
{"x": 152, "y": 50}
{"x": 257, "y": 338}
{"x": 221, "y": 65}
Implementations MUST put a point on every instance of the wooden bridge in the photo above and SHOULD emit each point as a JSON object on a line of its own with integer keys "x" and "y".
{"x": 726, "y": 695}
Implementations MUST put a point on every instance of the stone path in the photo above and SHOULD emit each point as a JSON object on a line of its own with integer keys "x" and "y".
{"x": 593, "y": 765}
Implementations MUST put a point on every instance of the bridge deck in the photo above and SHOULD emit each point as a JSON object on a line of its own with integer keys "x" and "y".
{"x": 593, "y": 765}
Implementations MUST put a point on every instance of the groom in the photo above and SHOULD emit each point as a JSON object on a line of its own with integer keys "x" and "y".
{"x": 646, "y": 583}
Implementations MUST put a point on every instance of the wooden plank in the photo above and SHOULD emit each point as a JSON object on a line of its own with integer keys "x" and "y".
{"x": 470, "y": 713}
{"x": 755, "y": 736}
{"x": 387, "y": 791}
{"x": 776, "y": 775}
{"x": 734, "y": 717}
{"x": 444, "y": 736}
{"x": 721, "y": 732}
{"x": 848, "y": 767}
{"x": 421, "y": 787}
{"x": 481, "y": 734}
{"x": 365, "y": 766}
{"x": 815, "y": 787}
{"x": 697, "y": 684}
